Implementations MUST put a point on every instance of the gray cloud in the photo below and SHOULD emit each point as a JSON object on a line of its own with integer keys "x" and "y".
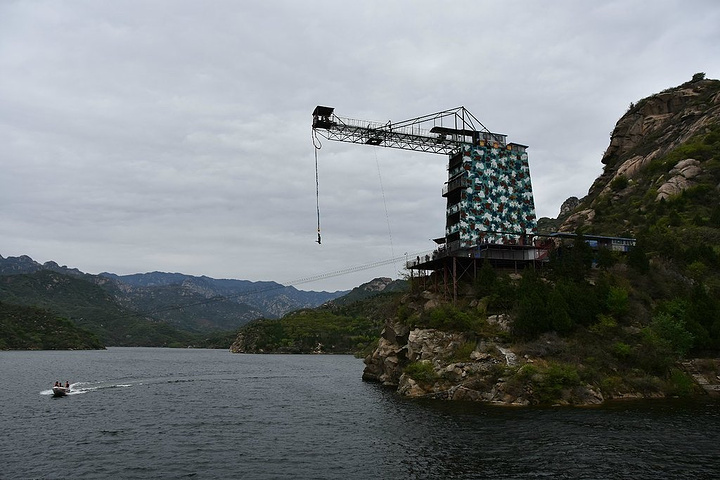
{"x": 175, "y": 135}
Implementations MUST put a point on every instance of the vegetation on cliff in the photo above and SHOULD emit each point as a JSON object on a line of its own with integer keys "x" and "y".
{"x": 571, "y": 327}
{"x": 662, "y": 186}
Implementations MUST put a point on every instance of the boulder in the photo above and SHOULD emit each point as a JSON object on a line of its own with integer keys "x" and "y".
{"x": 410, "y": 388}
{"x": 426, "y": 344}
{"x": 386, "y": 363}
{"x": 502, "y": 321}
{"x": 681, "y": 178}
{"x": 583, "y": 217}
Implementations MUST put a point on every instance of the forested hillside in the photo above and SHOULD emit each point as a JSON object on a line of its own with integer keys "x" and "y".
{"x": 89, "y": 307}
{"x": 153, "y": 309}
{"x": 351, "y": 326}
{"x": 29, "y": 328}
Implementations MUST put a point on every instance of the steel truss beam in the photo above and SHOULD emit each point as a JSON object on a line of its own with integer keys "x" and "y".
{"x": 443, "y": 132}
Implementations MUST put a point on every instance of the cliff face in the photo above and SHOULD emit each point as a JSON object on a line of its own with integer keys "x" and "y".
{"x": 647, "y": 133}
{"x": 444, "y": 365}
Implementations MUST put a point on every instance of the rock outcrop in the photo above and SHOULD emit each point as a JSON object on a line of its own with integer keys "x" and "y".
{"x": 443, "y": 365}
{"x": 681, "y": 178}
{"x": 648, "y": 131}
{"x": 670, "y": 117}
{"x": 386, "y": 363}
{"x": 568, "y": 206}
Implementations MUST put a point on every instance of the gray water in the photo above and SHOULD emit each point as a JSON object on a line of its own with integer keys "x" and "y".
{"x": 167, "y": 413}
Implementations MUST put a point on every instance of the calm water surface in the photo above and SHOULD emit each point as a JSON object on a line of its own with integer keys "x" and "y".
{"x": 165, "y": 413}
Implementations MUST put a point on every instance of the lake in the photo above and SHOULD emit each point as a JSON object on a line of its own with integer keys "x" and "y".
{"x": 181, "y": 413}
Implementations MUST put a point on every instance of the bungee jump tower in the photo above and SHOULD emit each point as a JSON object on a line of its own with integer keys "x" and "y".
{"x": 490, "y": 212}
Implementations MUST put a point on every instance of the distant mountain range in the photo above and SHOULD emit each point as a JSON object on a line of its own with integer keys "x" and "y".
{"x": 108, "y": 304}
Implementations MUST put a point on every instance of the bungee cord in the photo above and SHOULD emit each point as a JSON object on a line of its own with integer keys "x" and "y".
{"x": 317, "y": 144}
{"x": 387, "y": 215}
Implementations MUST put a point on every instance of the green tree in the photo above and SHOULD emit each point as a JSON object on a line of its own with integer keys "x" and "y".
{"x": 531, "y": 313}
{"x": 486, "y": 282}
{"x": 618, "y": 302}
{"x": 581, "y": 299}
{"x": 672, "y": 330}
{"x": 637, "y": 259}
{"x": 558, "y": 308}
{"x": 702, "y": 317}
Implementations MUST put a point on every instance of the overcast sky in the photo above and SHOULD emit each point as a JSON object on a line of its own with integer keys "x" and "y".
{"x": 175, "y": 135}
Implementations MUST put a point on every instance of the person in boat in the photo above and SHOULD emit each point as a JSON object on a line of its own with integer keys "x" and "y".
{"x": 57, "y": 384}
{"x": 67, "y": 384}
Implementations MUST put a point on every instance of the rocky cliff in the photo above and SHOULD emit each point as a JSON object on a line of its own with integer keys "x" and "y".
{"x": 452, "y": 365}
{"x": 639, "y": 155}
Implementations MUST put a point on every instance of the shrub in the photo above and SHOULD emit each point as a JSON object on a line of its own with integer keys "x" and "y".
{"x": 619, "y": 183}
{"x": 680, "y": 383}
{"x": 622, "y": 350}
{"x": 672, "y": 330}
{"x": 449, "y": 317}
{"x": 553, "y": 380}
{"x": 646, "y": 384}
{"x": 611, "y": 384}
{"x": 618, "y": 301}
{"x": 462, "y": 353}
{"x": 697, "y": 270}
{"x": 605, "y": 325}
{"x": 421, "y": 371}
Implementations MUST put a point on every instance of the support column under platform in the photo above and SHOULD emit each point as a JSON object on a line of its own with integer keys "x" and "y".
{"x": 449, "y": 268}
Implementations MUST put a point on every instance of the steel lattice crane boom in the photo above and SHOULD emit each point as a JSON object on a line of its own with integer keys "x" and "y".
{"x": 442, "y": 132}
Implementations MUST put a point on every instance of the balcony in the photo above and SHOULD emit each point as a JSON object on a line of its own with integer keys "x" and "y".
{"x": 460, "y": 182}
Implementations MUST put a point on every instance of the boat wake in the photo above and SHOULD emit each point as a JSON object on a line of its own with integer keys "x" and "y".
{"x": 81, "y": 388}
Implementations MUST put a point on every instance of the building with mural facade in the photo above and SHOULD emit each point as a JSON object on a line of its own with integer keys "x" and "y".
{"x": 489, "y": 195}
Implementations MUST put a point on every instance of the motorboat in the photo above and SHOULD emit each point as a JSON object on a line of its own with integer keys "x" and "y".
{"x": 60, "y": 391}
